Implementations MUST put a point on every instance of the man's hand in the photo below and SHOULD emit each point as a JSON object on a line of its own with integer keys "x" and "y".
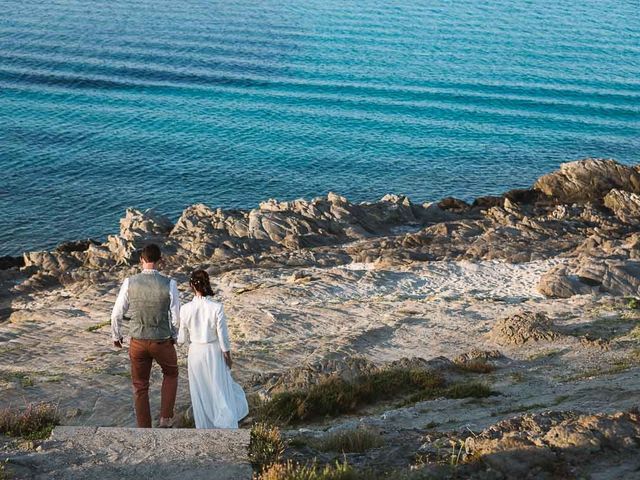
{"x": 117, "y": 343}
{"x": 227, "y": 359}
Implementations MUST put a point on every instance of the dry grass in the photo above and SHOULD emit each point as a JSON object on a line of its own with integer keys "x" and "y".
{"x": 266, "y": 446}
{"x": 34, "y": 422}
{"x": 358, "y": 440}
{"x": 4, "y": 472}
{"x": 476, "y": 366}
{"x": 294, "y": 471}
{"x": 98, "y": 326}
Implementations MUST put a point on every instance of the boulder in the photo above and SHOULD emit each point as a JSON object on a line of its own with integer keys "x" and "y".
{"x": 586, "y": 274}
{"x": 137, "y": 229}
{"x": 625, "y": 205}
{"x": 8, "y": 262}
{"x": 587, "y": 180}
{"x": 560, "y": 283}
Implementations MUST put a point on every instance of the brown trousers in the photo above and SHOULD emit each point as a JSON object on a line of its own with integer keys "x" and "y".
{"x": 142, "y": 353}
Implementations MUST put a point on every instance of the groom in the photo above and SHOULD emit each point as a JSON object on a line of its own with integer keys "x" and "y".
{"x": 154, "y": 303}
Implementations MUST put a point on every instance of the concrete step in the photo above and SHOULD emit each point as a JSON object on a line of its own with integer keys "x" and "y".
{"x": 113, "y": 453}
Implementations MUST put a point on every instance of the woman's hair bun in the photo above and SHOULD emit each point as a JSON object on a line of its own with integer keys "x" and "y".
{"x": 200, "y": 281}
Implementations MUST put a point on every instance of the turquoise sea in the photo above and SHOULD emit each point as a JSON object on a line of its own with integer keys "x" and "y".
{"x": 105, "y": 105}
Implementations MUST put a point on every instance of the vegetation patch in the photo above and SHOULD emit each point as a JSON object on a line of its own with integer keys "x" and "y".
{"x": 357, "y": 440}
{"x": 98, "y": 326}
{"x": 618, "y": 366}
{"x": 295, "y": 471}
{"x": 456, "y": 390}
{"x": 266, "y": 446}
{"x": 545, "y": 354}
{"x": 35, "y": 422}
{"x": 476, "y": 366}
{"x": 335, "y": 396}
{"x": 632, "y": 303}
{"x": 4, "y": 472}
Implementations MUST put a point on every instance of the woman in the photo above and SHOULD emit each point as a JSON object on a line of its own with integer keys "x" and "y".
{"x": 218, "y": 401}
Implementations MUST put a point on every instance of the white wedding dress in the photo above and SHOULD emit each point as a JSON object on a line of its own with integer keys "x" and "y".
{"x": 218, "y": 401}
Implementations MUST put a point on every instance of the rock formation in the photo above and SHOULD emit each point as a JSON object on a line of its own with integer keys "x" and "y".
{"x": 587, "y": 212}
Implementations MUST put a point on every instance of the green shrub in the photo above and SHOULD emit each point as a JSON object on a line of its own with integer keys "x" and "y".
{"x": 358, "y": 440}
{"x": 476, "y": 366}
{"x": 468, "y": 390}
{"x": 265, "y": 446}
{"x": 334, "y": 396}
{"x": 36, "y": 421}
{"x": 633, "y": 303}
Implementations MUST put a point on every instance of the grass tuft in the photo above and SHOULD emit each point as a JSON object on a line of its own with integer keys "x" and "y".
{"x": 633, "y": 303}
{"x": 98, "y": 326}
{"x": 266, "y": 446}
{"x": 35, "y": 422}
{"x": 4, "y": 472}
{"x": 358, "y": 440}
{"x": 476, "y": 366}
{"x": 468, "y": 390}
{"x": 294, "y": 471}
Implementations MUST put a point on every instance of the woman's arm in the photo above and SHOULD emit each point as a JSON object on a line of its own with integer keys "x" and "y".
{"x": 223, "y": 335}
{"x": 183, "y": 331}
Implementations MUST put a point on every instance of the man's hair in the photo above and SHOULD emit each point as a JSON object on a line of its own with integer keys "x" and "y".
{"x": 151, "y": 253}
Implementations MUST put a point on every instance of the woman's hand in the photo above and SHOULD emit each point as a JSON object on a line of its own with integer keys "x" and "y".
{"x": 227, "y": 358}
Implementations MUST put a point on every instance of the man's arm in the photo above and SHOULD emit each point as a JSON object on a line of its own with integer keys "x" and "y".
{"x": 117, "y": 314}
{"x": 174, "y": 308}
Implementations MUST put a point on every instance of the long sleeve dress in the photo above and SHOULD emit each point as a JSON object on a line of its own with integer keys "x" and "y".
{"x": 218, "y": 401}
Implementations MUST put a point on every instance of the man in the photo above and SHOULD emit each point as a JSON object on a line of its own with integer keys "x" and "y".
{"x": 154, "y": 303}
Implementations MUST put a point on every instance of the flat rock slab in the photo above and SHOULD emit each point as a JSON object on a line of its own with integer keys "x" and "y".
{"x": 120, "y": 453}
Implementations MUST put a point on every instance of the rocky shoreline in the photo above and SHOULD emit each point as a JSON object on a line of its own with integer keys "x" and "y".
{"x": 587, "y": 212}
{"x": 540, "y": 284}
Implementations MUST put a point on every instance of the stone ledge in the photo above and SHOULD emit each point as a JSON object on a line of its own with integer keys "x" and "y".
{"x": 119, "y": 453}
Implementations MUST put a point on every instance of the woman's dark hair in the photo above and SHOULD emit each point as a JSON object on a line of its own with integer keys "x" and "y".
{"x": 200, "y": 281}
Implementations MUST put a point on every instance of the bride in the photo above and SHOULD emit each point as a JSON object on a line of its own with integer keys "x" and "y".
{"x": 218, "y": 401}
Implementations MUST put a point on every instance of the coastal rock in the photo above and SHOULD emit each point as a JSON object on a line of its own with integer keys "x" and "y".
{"x": 537, "y": 445}
{"x": 453, "y": 204}
{"x": 560, "y": 283}
{"x": 523, "y": 327}
{"x": 299, "y": 224}
{"x": 8, "y": 262}
{"x": 601, "y": 265}
{"x": 626, "y": 206}
{"x": 138, "y": 228}
{"x": 76, "y": 246}
{"x": 202, "y": 233}
{"x": 587, "y": 180}
{"x": 52, "y": 262}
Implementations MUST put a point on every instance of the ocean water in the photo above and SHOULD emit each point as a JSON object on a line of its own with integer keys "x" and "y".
{"x": 106, "y": 105}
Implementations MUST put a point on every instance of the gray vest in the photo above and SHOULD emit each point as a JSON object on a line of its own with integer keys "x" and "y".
{"x": 149, "y": 302}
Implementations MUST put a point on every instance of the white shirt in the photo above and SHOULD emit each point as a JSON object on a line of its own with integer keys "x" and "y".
{"x": 122, "y": 306}
{"x": 203, "y": 321}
